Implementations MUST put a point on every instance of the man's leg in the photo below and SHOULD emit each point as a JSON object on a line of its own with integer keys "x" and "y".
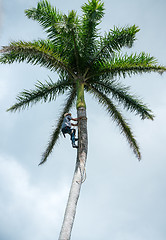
{"x": 73, "y": 138}
{"x": 71, "y": 132}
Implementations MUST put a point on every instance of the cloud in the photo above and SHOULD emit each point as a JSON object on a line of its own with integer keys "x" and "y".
{"x": 27, "y": 211}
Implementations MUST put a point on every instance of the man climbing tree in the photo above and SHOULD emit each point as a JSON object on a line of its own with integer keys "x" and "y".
{"x": 87, "y": 62}
{"x": 66, "y": 128}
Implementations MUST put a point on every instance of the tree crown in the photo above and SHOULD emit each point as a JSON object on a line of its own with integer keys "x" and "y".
{"x": 85, "y": 61}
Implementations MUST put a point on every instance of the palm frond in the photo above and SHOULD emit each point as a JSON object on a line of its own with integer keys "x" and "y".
{"x": 48, "y": 17}
{"x": 44, "y": 92}
{"x": 114, "y": 41}
{"x": 93, "y": 11}
{"x": 55, "y": 135}
{"x": 74, "y": 30}
{"x": 118, "y": 118}
{"x": 36, "y": 52}
{"x": 127, "y": 65}
{"x": 61, "y": 29}
{"x": 123, "y": 96}
{"x": 67, "y": 40}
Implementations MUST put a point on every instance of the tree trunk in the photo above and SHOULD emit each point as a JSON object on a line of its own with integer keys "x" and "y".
{"x": 78, "y": 177}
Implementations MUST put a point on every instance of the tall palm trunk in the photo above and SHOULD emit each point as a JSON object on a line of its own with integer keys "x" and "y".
{"x": 78, "y": 176}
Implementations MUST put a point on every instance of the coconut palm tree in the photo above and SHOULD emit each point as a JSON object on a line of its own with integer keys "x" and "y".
{"x": 85, "y": 62}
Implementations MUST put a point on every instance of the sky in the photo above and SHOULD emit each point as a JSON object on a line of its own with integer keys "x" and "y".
{"x": 122, "y": 198}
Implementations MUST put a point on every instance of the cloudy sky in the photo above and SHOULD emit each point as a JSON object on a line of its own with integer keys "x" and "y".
{"x": 121, "y": 199}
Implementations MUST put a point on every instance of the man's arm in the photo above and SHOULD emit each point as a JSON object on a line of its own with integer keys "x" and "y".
{"x": 76, "y": 120}
{"x": 74, "y": 124}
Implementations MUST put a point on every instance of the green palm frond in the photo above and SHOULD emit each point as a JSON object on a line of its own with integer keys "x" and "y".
{"x": 133, "y": 64}
{"x": 127, "y": 65}
{"x": 118, "y": 118}
{"x": 120, "y": 37}
{"x": 36, "y": 52}
{"x": 48, "y": 17}
{"x": 123, "y": 96}
{"x": 74, "y": 28}
{"x": 55, "y": 135}
{"x": 115, "y": 40}
{"x": 61, "y": 29}
{"x": 93, "y": 11}
{"x": 67, "y": 40}
{"x": 44, "y": 92}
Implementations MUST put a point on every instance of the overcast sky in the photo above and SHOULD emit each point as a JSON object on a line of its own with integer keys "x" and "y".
{"x": 121, "y": 199}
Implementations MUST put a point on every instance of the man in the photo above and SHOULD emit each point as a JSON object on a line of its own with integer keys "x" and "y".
{"x": 66, "y": 128}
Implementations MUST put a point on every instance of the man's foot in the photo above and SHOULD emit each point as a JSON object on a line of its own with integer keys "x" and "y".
{"x": 75, "y": 146}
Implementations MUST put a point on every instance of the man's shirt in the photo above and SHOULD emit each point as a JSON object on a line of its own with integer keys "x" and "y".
{"x": 66, "y": 121}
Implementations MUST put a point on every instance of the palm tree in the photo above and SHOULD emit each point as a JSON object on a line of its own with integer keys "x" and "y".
{"x": 85, "y": 62}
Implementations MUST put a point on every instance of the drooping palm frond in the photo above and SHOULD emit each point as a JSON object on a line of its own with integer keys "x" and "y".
{"x": 44, "y": 92}
{"x": 124, "y": 97}
{"x": 37, "y": 53}
{"x": 55, "y": 135}
{"x": 118, "y": 118}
